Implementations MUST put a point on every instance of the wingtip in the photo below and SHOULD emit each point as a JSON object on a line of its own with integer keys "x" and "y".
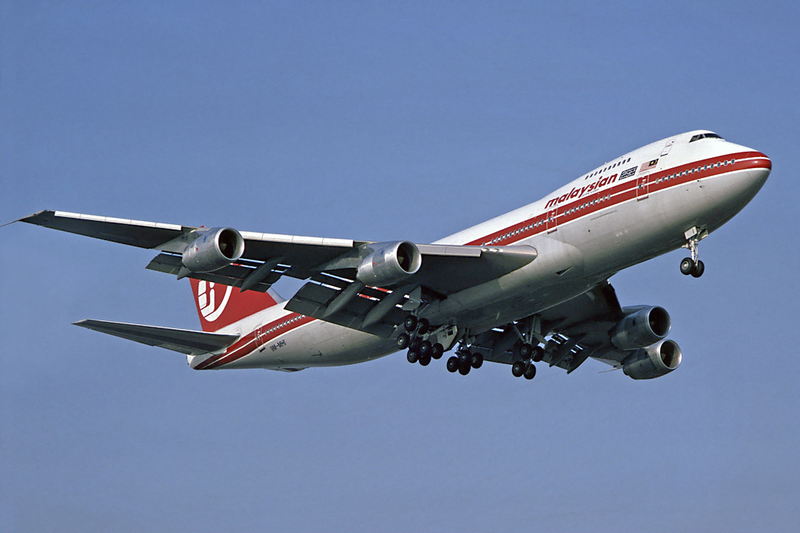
{"x": 30, "y": 219}
{"x": 38, "y": 217}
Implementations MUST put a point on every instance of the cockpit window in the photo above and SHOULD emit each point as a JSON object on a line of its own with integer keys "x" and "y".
{"x": 705, "y": 136}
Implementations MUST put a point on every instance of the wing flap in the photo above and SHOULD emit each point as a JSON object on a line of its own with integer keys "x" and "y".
{"x": 362, "y": 311}
{"x": 184, "y": 341}
{"x": 233, "y": 275}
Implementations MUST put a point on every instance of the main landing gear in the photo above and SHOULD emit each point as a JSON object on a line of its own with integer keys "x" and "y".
{"x": 692, "y": 266}
{"x": 464, "y": 361}
{"x": 420, "y": 350}
{"x": 423, "y": 346}
{"x": 527, "y": 354}
{"x": 527, "y": 350}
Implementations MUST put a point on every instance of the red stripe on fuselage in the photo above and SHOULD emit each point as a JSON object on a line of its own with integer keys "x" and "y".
{"x": 623, "y": 191}
{"x": 256, "y": 339}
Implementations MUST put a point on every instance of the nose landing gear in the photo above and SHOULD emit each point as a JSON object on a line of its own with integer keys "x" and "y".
{"x": 692, "y": 266}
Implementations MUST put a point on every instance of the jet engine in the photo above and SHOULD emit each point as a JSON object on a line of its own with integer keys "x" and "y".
{"x": 213, "y": 249}
{"x": 389, "y": 263}
{"x": 641, "y": 327}
{"x": 654, "y": 361}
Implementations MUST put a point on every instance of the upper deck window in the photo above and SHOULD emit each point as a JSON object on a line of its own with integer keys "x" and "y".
{"x": 705, "y": 136}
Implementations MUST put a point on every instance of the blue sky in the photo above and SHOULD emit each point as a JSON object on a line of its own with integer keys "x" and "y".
{"x": 385, "y": 121}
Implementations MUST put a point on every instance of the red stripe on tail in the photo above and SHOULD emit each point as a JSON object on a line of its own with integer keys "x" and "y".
{"x": 221, "y": 305}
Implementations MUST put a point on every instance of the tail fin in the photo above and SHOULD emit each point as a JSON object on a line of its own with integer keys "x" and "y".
{"x": 221, "y": 305}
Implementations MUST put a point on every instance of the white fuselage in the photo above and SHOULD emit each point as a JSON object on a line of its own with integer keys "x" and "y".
{"x": 631, "y": 209}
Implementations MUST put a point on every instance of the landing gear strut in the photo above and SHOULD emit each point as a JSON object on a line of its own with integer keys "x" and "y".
{"x": 528, "y": 350}
{"x": 692, "y": 265}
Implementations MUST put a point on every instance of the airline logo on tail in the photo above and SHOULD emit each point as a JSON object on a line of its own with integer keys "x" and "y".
{"x": 220, "y": 305}
{"x": 207, "y": 300}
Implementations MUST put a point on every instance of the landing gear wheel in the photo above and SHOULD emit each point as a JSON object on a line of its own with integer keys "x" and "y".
{"x": 698, "y": 269}
{"x": 424, "y": 326}
{"x": 525, "y": 350}
{"x": 477, "y": 360}
{"x": 463, "y": 368}
{"x": 530, "y": 371}
{"x": 538, "y": 354}
{"x": 425, "y": 348}
{"x": 425, "y": 359}
{"x": 412, "y": 356}
{"x": 453, "y": 364}
{"x": 402, "y": 341}
{"x": 465, "y": 357}
{"x": 518, "y": 369}
{"x": 410, "y": 323}
{"x": 437, "y": 350}
{"x": 687, "y": 266}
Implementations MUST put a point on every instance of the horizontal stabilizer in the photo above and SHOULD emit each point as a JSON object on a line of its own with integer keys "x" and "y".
{"x": 185, "y": 341}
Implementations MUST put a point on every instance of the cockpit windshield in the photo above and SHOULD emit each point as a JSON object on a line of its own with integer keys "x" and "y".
{"x": 705, "y": 136}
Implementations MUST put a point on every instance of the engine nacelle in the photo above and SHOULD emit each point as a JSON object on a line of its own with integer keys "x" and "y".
{"x": 654, "y": 361}
{"x": 213, "y": 249}
{"x": 641, "y": 328}
{"x": 389, "y": 263}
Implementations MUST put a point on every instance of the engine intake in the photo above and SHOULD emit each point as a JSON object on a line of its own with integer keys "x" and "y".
{"x": 641, "y": 327}
{"x": 654, "y": 361}
{"x": 389, "y": 263}
{"x": 213, "y": 249}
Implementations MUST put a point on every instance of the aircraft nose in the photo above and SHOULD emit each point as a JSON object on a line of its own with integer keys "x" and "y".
{"x": 750, "y": 171}
{"x": 759, "y": 167}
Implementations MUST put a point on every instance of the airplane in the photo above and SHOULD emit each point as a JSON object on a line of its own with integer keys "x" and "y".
{"x": 525, "y": 287}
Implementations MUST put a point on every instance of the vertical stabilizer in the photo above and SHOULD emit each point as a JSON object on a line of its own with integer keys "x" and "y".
{"x": 221, "y": 305}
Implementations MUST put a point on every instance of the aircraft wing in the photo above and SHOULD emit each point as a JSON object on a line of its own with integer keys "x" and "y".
{"x": 572, "y": 332}
{"x": 301, "y": 253}
{"x": 333, "y": 292}
{"x": 179, "y": 340}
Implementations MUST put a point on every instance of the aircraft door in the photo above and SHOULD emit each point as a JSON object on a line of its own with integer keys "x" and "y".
{"x": 261, "y": 336}
{"x": 642, "y": 187}
{"x": 552, "y": 220}
{"x": 667, "y": 147}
